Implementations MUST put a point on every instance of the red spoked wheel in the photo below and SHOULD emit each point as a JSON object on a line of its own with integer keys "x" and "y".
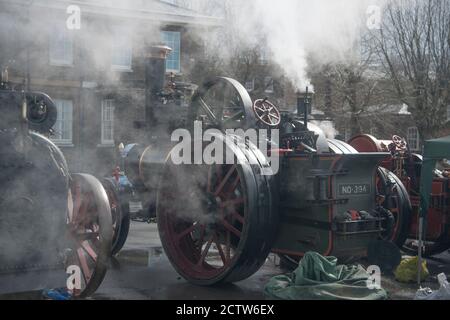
{"x": 212, "y": 226}
{"x": 266, "y": 112}
{"x": 396, "y": 200}
{"x": 89, "y": 234}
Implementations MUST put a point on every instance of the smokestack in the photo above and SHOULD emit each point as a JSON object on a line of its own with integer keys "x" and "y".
{"x": 304, "y": 104}
{"x": 155, "y": 73}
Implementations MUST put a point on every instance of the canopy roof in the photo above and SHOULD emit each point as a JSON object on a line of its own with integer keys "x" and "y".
{"x": 437, "y": 148}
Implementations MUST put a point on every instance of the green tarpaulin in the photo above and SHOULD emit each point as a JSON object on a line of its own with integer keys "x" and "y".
{"x": 320, "y": 278}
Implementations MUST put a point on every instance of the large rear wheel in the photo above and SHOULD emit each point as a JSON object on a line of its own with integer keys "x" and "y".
{"x": 89, "y": 233}
{"x": 217, "y": 222}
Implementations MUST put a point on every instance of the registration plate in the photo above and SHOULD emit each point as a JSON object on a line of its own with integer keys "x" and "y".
{"x": 354, "y": 189}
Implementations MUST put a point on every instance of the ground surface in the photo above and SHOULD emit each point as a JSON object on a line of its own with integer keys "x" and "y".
{"x": 142, "y": 271}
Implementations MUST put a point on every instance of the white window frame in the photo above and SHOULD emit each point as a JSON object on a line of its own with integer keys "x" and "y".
{"x": 413, "y": 138}
{"x": 61, "y": 121}
{"x": 122, "y": 41}
{"x": 175, "y": 45}
{"x": 107, "y": 103}
{"x": 60, "y": 30}
{"x": 268, "y": 85}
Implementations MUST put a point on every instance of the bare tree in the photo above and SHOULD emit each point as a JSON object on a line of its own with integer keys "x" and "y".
{"x": 414, "y": 47}
{"x": 225, "y": 52}
{"x": 352, "y": 91}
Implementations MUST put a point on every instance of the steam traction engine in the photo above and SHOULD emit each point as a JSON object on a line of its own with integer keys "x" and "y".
{"x": 219, "y": 222}
{"x": 51, "y": 221}
{"x": 407, "y": 167}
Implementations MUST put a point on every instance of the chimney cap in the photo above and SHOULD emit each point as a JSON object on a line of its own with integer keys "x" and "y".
{"x": 159, "y": 51}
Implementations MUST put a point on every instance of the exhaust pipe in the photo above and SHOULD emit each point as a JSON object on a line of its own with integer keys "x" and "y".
{"x": 155, "y": 73}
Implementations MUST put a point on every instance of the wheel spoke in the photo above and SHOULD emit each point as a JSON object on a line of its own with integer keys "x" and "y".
{"x": 84, "y": 266}
{"x": 186, "y": 232}
{"x": 208, "y": 110}
{"x": 89, "y": 250}
{"x": 221, "y": 253}
{"x": 260, "y": 109}
{"x": 231, "y": 228}
{"x": 234, "y": 117}
{"x": 234, "y": 184}
{"x": 225, "y": 180}
{"x": 274, "y": 116}
{"x": 202, "y": 236}
{"x": 232, "y": 202}
{"x": 238, "y": 217}
{"x": 205, "y": 251}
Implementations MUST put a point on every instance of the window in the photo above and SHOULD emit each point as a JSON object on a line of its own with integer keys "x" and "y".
{"x": 122, "y": 51}
{"x": 268, "y": 85}
{"x": 107, "y": 122}
{"x": 63, "y": 126}
{"x": 172, "y": 40}
{"x": 263, "y": 55}
{"x": 413, "y": 139}
{"x": 250, "y": 85}
{"x": 61, "y": 46}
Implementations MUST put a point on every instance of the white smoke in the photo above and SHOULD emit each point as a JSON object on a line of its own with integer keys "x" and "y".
{"x": 295, "y": 30}
{"x": 327, "y": 127}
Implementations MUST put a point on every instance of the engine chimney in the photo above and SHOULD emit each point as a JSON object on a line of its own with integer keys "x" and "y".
{"x": 155, "y": 72}
{"x": 304, "y": 104}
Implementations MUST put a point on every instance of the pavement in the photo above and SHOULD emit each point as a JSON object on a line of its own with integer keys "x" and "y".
{"x": 141, "y": 271}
